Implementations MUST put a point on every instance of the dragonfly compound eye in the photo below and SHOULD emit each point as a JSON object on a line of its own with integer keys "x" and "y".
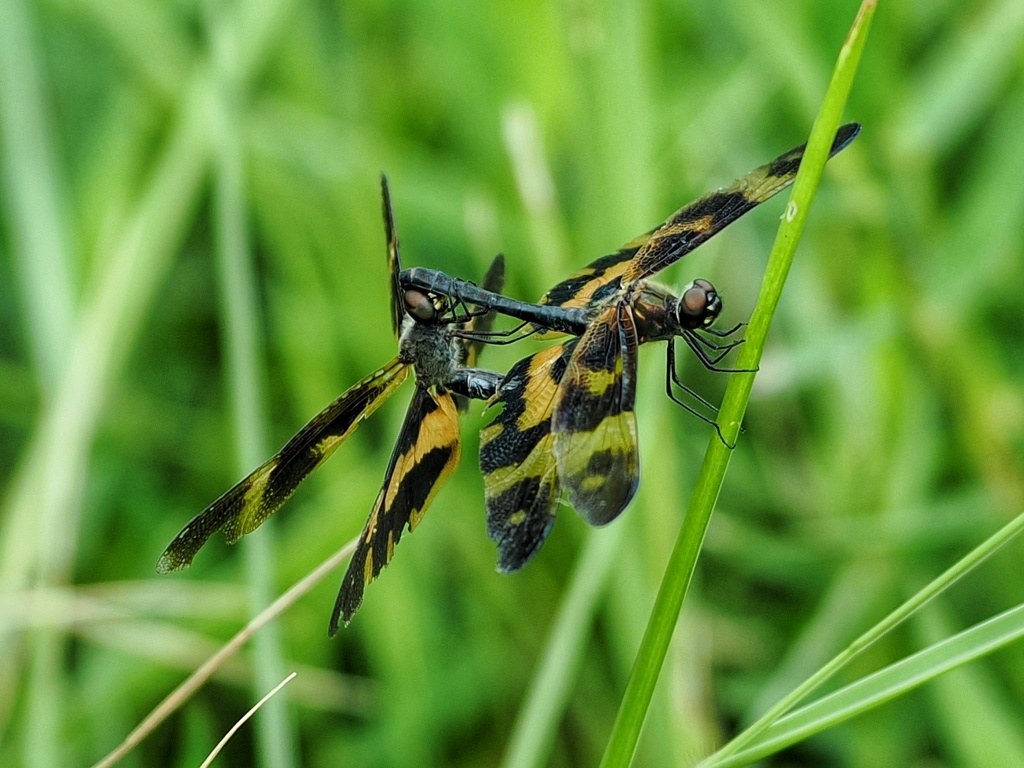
{"x": 700, "y": 305}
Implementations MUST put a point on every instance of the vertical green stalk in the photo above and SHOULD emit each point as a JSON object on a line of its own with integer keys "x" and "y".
{"x": 43, "y": 503}
{"x": 640, "y": 689}
{"x": 39, "y": 522}
{"x": 241, "y": 321}
{"x": 33, "y": 197}
{"x": 42, "y": 262}
{"x": 539, "y": 718}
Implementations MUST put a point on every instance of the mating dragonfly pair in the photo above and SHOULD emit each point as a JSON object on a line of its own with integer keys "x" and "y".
{"x": 567, "y": 421}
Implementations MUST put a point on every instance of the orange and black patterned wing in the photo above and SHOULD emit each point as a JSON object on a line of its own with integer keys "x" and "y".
{"x": 426, "y": 454}
{"x": 521, "y": 487}
{"x": 248, "y": 504}
{"x": 695, "y": 223}
{"x": 690, "y": 226}
{"x": 597, "y": 280}
{"x": 594, "y": 425}
{"x": 394, "y": 258}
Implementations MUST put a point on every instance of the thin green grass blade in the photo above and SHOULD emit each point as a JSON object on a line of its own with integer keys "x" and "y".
{"x": 240, "y": 318}
{"x": 152, "y": 39}
{"x": 640, "y": 689}
{"x": 41, "y": 252}
{"x": 43, "y": 503}
{"x": 33, "y": 196}
{"x": 960, "y": 80}
{"x": 758, "y": 731}
{"x": 541, "y": 714}
{"x": 978, "y": 715}
{"x": 886, "y": 684}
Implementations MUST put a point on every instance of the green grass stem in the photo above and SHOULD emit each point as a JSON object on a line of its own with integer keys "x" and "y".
{"x": 665, "y": 614}
{"x": 42, "y": 261}
{"x": 549, "y": 691}
{"x": 245, "y": 376}
{"x": 34, "y": 195}
{"x": 884, "y": 685}
{"x": 41, "y": 521}
{"x": 759, "y": 731}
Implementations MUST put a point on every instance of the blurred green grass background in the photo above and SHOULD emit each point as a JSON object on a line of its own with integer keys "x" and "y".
{"x": 144, "y": 143}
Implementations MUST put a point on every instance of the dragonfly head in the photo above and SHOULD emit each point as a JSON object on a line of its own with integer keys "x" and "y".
{"x": 425, "y": 307}
{"x": 699, "y": 305}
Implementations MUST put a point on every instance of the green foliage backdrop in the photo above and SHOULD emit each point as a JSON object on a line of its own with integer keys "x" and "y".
{"x": 169, "y": 165}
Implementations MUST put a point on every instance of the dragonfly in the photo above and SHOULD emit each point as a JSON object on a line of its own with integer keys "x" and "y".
{"x": 425, "y": 455}
{"x": 568, "y": 421}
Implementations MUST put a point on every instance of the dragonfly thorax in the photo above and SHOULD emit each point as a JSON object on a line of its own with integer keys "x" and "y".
{"x": 430, "y": 349}
{"x": 660, "y": 314}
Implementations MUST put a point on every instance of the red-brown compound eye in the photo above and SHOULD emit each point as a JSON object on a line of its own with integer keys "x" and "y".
{"x": 420, "y": 306}
{"x": 700, "y": 304}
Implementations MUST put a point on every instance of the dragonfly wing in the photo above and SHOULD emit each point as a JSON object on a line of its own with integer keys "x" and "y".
{"x": 695, "y": 223}
{"x": 521, "y": 487}
{"x": 592, "y": 283}
{"x": 594, "y": 423}
{"x": 248, "y": 504}
{"x": 425, "y": 455}
{"x": 394, "y": 258}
